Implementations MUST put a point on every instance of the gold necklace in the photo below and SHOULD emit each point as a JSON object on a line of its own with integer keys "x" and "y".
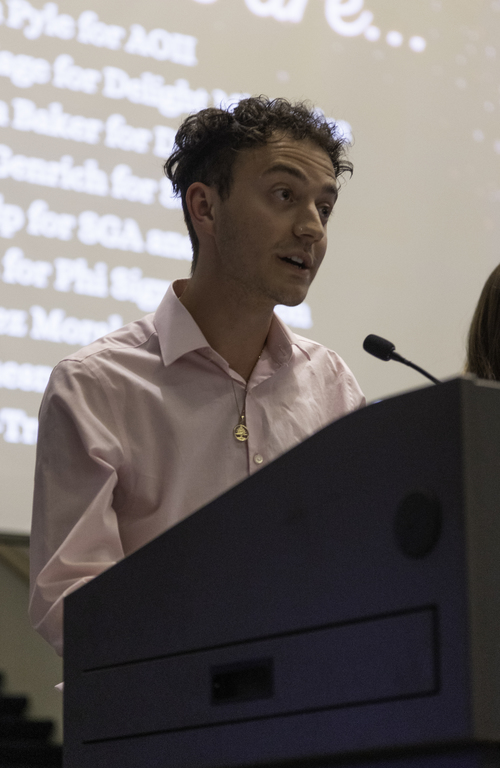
{"x": 240, "y": 431}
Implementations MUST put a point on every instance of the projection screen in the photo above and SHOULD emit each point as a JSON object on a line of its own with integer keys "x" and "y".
{"x": 91, "y": 236}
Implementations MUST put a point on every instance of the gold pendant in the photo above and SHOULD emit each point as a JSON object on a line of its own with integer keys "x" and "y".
{"x": 241, "y": 433}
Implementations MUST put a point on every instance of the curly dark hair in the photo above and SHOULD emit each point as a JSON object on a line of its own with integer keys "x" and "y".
{"x": 483, "y": 345}
{"x": 207, "y": 143}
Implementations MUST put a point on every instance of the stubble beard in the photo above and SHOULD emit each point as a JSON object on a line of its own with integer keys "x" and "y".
{"x": 254, "y": 289}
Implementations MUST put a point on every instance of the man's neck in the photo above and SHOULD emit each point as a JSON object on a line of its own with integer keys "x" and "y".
{"x": 234, "y": 329}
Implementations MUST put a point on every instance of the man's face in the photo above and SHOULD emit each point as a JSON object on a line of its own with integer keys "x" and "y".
{"x": 270, "y": 233}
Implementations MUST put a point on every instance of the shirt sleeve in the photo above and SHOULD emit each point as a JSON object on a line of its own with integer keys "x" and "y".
{"x": 75, "y": 534}
{"x": 355, "y": 395}
{"x": 345, "y": 392}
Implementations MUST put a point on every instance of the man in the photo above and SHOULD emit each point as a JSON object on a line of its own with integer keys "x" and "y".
{"x": 144, "y": 427}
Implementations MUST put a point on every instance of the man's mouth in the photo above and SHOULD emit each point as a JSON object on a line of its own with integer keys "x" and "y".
{"x": 297, "y": 261}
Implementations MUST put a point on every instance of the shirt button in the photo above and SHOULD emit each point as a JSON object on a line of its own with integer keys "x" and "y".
{"x": 258, "y": 458}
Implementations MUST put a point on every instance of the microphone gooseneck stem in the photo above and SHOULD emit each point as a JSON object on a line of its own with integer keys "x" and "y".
{"x": 399, "y": 359}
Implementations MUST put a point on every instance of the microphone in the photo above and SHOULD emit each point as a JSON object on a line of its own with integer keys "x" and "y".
{"x": 386, "y": 350}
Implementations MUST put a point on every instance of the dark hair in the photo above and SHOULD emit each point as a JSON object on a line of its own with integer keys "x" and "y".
{"x": 207, "y": 143}
{"x": 483, "y": 348}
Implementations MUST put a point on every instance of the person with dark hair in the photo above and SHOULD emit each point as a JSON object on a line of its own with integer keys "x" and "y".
{"x": 145, "y": 426}
{"x": 483, "y": 343}
{"x": 208, "y": 143}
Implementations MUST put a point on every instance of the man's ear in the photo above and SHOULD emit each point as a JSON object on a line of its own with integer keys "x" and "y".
{"x": 200, "y": 201}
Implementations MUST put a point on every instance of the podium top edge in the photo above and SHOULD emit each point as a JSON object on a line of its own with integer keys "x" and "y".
{"x": 451, "y": 380}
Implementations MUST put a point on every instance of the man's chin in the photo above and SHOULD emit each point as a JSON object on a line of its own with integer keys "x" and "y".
{"x": 290, "y": 299}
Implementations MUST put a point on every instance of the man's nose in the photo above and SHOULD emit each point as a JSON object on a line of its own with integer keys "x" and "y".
{"x": 308, "y": 224}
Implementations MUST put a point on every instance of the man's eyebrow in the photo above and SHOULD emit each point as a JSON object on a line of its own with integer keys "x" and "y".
{"x": 331, "y": 189}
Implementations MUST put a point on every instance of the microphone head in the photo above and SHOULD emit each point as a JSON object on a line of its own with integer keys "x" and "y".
{"x": 379, "y": 347}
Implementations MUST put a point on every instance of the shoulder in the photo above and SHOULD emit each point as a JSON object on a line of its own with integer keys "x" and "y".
{"x": 129, "y": 337}
{"x": 330, "y": 372}
{"x": 322, "y": 357}
{"x": 318, "y": 352}
{"x": 105, "y": 362}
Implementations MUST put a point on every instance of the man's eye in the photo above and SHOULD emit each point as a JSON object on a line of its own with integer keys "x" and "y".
{"x": 284, "y": 194}
{"x": 325, "y": 211}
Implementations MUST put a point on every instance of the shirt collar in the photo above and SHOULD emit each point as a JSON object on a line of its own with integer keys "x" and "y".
{"x": 281, "y": 339}
{"x": 178, "y": 333}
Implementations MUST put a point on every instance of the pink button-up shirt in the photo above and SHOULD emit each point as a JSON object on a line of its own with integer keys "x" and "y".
{"x": 136, "y": 433}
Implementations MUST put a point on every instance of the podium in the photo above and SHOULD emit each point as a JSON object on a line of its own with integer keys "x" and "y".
{"x": 339, "y": 607}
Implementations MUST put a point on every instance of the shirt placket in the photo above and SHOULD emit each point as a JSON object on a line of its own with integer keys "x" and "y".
{"x": 256, "y": 452}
